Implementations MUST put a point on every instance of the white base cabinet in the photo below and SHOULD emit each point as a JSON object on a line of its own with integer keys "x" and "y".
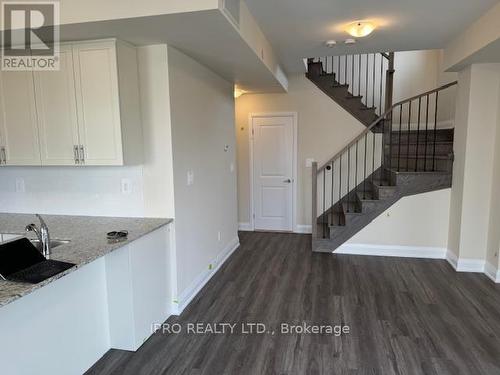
{"x": 87, "y": 113}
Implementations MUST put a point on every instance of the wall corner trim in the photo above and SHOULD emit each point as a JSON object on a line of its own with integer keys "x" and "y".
{"x": 492, "y": 272}
{"x": 245, "y": 227}
{"x": 302, "y": 228}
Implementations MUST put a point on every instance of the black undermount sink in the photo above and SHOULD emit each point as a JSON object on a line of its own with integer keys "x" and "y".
{"x": 21, "y": 261}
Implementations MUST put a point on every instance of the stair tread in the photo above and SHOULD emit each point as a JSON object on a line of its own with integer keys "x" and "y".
{"x": 353, "y": 208}
{"x": 366, "y": 196}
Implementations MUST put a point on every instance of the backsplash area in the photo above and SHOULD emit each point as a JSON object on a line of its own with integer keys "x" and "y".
{"x": 95, "y": 191}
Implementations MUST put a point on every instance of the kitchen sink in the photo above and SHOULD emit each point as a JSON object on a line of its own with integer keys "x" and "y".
{"x": 53, "y": 243}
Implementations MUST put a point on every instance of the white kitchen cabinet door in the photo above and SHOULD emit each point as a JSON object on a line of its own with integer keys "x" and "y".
{"x": 98, "y": 104}
{"x": 56, "y": 110}
{"x": 19, "y": 124}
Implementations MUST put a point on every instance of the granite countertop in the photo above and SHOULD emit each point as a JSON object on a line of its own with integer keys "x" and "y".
{"x": 88, "y": 241}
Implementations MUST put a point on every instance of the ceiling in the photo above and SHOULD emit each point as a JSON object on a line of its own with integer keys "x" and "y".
{"x": 298, "y": 28}
{"x": 206, "y": 36}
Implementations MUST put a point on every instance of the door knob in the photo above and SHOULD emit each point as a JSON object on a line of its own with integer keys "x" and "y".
{"x": 288, "y": 181}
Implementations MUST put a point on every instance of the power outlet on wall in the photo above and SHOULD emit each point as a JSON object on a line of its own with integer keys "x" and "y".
{"x": 126, "y": 186}
{"x": 190, "y": 178}
{"x": 219, "y": 236}
{"x": 20, "y": 186}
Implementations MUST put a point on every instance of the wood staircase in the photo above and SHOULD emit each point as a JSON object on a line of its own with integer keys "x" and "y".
{"x": 402, "y": 151}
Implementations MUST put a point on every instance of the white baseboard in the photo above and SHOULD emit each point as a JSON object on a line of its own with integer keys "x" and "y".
{"x": 465, "y": 264}
{"x": 189, "y": 293}
{"x": 492, "y": 272}
{"x": 245, "y": 227}
{"x": 392, "y": 251}
{"x": 301, "y": 228}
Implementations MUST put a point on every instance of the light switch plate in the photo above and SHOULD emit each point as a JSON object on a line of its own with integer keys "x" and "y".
{"x": 309, "y": 162}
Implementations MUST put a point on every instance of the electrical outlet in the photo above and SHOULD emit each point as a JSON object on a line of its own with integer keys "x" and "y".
{"x": 219, "y": 236}
{"x": 309, "y": 162}
{"x": 231, "y": 167}
{"x": 190, "y": 178}
{"x": 126, "y": 186}
{"x": 20, "y": 186}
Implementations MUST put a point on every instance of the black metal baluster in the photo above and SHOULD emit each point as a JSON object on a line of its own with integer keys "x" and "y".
{"x": 373, "y": 83}
{"x": 426, "y": 132}
{"x": 366, "y": 88}
{"x": 364, "y": 179}
{"x": 356, "y": 177}
{"x": 390, "y": 138}
{"x": 399, "y": 141}
{"x": 338, "y": 69}
{"x": 373, "y": 155}
{"x": 345, "y": 70}
{"x": 359, "y": 74}
{"x": 340, "y": 185}
{"x": 435, "y": 133}
{"x": 408, "y": 138}
{"x": 348, "y": 175}
{"x": 324, "y": 200}
{"x": 332, "y": 190}
{"x": 418, "y": 133}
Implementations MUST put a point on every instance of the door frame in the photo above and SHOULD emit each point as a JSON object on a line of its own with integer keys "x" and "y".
{"x": 294, "y": 116}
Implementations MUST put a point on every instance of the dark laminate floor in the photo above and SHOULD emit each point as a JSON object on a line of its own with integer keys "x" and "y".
{"x": 406, "y": 317}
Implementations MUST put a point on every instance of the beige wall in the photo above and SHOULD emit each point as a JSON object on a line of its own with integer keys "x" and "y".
{"x": 473, "y": 222}
{"x": 324, "y": 128}
{"x": 478, "y": 35}
{"x": 202, "y": 115}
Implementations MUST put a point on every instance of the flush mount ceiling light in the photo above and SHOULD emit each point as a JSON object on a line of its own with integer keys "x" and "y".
{"x": 360, "y": 29}
{"x": 238, "y": 92}
{"x": 330, "y": 43}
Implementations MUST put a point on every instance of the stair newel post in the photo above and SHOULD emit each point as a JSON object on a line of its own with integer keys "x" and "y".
{"x": 389, "y": 82}
{"x": 388, "y": 96}
{"x": 314, "y": 208}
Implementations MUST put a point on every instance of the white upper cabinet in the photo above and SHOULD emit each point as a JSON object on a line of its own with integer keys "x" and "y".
{"x": 85, "y": 114}
{"x": 19, "y": 121}
{"x": 97, "y": 93}
{"x": 56, "y": 112}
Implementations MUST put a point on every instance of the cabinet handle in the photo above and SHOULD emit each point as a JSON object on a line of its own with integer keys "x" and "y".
{"x": 3, "y": 157}
{"x": 82, "y": 154}
{"x": 75, "y": 153}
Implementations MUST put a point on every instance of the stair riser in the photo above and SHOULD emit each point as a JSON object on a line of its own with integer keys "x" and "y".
{"x": 383, "y": 192}
{"x": 411, "y": 165}
{"x": 441, "y": 150}
{"x": 442, "y": 135}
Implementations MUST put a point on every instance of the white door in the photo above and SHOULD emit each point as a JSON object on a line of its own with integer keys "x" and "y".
{"x": 19, "y": 124}
{"x": 56, "y": 109}
{"x": 98, "y": 104}
{"x": 273, "y": 172}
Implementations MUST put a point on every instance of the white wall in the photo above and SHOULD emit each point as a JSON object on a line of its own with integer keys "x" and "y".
{"x": 416, "y": 221}
{"x": 97, "y": 191}
{"x": 156, "y": 128}
{"x": 92, "y": 191}
{"x": 202, "y": 115}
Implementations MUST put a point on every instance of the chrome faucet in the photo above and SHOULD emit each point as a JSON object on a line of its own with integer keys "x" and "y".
{"x": 43, "y": 236}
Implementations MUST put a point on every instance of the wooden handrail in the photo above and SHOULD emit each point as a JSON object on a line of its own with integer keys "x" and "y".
{"x": 377, "y": 121}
